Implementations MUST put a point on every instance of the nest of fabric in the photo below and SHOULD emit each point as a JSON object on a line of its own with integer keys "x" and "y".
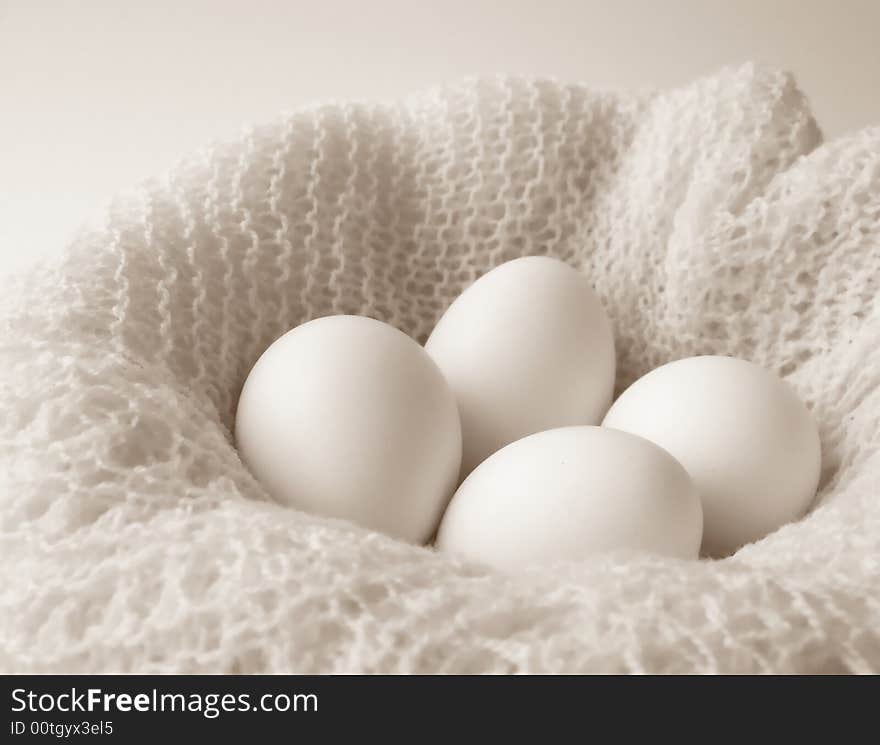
{"x": 711, "y": 219}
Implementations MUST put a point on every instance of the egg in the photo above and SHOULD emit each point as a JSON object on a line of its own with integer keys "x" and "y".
{"x": 527, "y": 347}
{"x": 570, "y": 493}
{"x": 348, "y": 417}
{"x": 747, "y": 441}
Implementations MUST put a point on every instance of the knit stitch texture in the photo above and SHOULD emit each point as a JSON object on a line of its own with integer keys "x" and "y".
{"x": 711, "y": 219}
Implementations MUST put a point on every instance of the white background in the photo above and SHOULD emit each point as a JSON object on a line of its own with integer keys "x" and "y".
{"x": 98, "y": 94}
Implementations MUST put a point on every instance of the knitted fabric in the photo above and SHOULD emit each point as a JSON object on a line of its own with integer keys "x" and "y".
{"x": 711, "y": 219}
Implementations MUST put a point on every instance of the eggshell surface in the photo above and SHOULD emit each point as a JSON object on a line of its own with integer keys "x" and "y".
{"x": 747, "y": 441}
{"x": 348, "y": 417}
{"x": 527, "y": 347}
{"x": 569, "y": 493}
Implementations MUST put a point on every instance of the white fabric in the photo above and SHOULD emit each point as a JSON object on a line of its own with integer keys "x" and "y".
{"x": 710, "y": 218}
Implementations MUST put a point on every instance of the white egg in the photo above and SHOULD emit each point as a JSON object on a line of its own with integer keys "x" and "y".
{"x": 348, "y": 417}
{"x": 527, "y": 347}
{"x": 569, "y": 493}
{"x": 749, "y": 444}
